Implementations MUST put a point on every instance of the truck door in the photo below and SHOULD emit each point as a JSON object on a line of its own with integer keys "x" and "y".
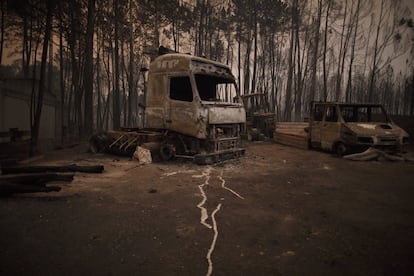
{"x": 316, "y": 123}
{"x": 330, "y": 128}
{"x": 180, "y": 107}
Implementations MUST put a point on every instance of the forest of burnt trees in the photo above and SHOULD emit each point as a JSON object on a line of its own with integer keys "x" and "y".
{"x": 90, "y": 52}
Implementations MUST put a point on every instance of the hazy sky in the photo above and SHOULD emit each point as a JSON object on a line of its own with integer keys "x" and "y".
{"x": 410, "y": 4}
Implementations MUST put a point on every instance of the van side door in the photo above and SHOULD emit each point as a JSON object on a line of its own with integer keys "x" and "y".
{"x": 330, "y": 128}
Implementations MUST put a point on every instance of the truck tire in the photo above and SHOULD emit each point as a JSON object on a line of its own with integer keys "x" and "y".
{"x": 99, "y": 142}
{"x": 167, "y": 152}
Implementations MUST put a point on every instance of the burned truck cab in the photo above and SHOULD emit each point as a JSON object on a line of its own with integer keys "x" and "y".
{"x": 195, "y": 101}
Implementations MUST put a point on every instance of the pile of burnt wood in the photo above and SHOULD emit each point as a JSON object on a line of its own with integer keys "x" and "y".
{"x": 32, "y": 179}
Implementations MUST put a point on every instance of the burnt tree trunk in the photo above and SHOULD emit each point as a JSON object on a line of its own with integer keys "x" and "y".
{"x": 116, "y": 112}
{"x": 38, "y": 110}
{"x": 88, "y": 81}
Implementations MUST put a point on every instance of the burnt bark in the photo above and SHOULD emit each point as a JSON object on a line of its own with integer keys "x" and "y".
{"x": 132, "y": 94}
{"x": 31, "y": 183}
{"x": 8, "y": 188}
{"x": 315, "y": 52}
{"x": 348, "y": 95}
{"x": 325, "y": 50}
{"x": 289, "y": 85}
{"x": 374, "y": 67}
{"x": 88, "y": 81}
{"x": 116, "y": 115}
{"x": 41, "y": 91}
{"x": 2, "y": 28}
{"x": 37, "y": 179}
{"x": 61, "y": 75}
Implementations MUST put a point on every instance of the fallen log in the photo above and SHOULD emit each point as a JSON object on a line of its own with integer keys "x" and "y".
{"x": 31, "y": 183}
{"x": 42, "y": 169}
{"x": 8, "y": 188}
{"x": 36, "y": 179}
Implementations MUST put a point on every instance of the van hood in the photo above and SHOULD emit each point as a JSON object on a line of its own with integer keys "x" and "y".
{"x": 373, "y": 129}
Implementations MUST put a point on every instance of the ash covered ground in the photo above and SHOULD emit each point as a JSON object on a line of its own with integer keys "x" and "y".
{"x": 276, "y": 211}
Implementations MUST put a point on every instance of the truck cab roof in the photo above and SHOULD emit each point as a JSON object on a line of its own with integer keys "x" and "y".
{"x": 177, "y": 62}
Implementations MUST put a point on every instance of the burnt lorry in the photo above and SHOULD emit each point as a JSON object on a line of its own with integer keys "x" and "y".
{"x": 345, "y": 128}
{"x": 192, "y": 110}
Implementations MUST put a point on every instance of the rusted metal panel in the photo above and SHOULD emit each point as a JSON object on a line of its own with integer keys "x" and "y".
{"x": 211, "y": 68}
{"x": 187, "y": 118}
{"x": 330, "y": 134}
{"x": 157, "y": 84}
{"x": 226, "y": 115}
{"x": 375, "y": 129}
{"x": 182, "y": 62}
{"x": 154, "y": 117}
{"x": 170, "y": 63}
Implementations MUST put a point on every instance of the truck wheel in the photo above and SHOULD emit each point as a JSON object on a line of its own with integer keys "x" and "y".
{"x": 167, "y": 152}
{"x": 99, "y": 142}
{"x": 340, "y": 149}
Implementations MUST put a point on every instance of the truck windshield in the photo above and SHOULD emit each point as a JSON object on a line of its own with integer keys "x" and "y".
{"x": 363, "y": 114}
{"x": 215, "y": 89}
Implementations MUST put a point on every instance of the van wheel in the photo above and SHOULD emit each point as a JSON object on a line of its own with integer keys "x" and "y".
{"x": 310, "y": 146}
{"x": 340, "y": 149}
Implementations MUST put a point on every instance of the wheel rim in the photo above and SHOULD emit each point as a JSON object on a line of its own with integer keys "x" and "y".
{"x": 341, "y": 149}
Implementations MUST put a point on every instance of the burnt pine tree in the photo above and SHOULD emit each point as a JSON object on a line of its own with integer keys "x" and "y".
{"x": 38, "y": 111}
{"x": 116, "y": 119}
{"x": 88, "y": 81}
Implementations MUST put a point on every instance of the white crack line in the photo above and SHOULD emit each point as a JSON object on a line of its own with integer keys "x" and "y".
{"x": 203, "y": 211}
{"x": 213, "y": 243}
{"x": 204, "y": 214}
{"x": 170, "y": 173}
{"x": 167, "y": 174}
{"x": 223, "y": 183}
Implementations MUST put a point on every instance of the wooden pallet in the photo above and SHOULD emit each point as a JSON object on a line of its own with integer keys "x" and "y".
{"x": 291, "y": 134}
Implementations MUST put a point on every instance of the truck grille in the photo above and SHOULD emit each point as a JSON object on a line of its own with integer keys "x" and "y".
{"x": 228, "y": 144}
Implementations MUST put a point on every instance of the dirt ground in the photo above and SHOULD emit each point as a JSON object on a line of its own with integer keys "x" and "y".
{"x": 276, "y": 211}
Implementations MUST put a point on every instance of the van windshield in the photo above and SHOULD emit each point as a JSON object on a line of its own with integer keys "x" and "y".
{"x": 362, "y": 113}
{"x": 216, "y": 89}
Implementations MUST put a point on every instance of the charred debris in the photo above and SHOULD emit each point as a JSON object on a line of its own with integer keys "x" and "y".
{"x": 32, "y": 179}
